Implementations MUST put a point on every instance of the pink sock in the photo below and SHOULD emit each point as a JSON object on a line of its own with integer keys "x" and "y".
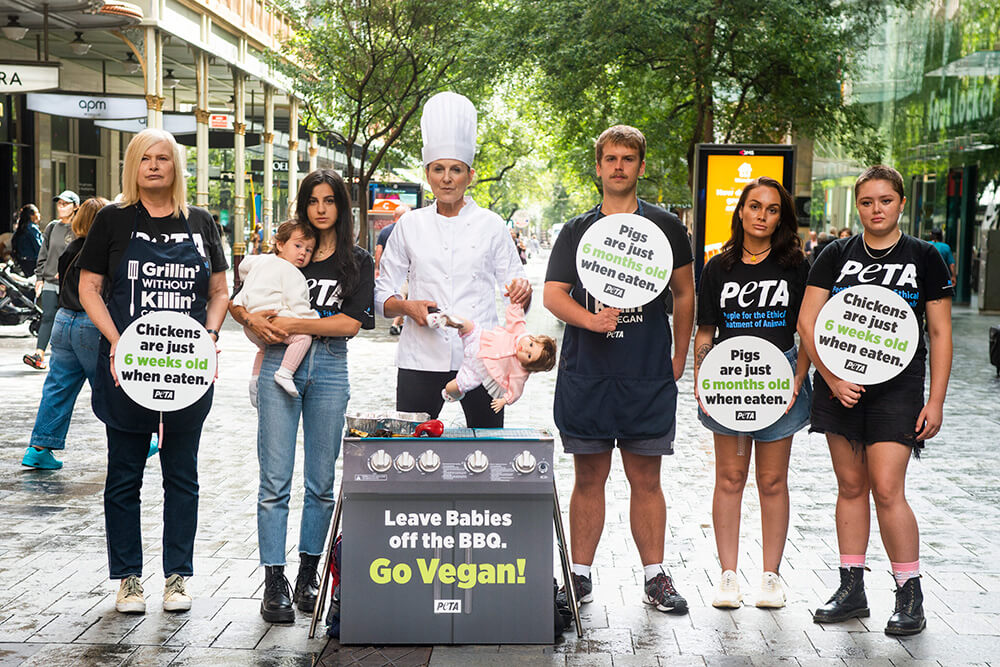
{"x": 852, "y": 561}
{"x": 902, "y": 572}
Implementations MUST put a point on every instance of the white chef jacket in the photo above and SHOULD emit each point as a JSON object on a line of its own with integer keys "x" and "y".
{"x": 272, "y": 283}
{"x": 458, "y": 263}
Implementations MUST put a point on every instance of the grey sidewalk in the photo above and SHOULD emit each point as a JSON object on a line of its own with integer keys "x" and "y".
{"x": 57, "y": 605}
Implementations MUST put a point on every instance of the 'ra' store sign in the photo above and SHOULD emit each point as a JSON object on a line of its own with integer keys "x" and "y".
{"x": 19, "y": 77}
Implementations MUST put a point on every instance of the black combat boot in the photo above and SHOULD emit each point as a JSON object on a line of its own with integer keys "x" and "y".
{"x": 276, "y": 607}
{"x": 307, "y": 583}
{"x": 848, "y": 601}
{"x": 908, "y": 618}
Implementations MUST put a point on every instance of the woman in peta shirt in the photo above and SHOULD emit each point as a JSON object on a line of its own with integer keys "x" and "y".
{"x": 872, "y": 430}
{"x": 761, "y": 271}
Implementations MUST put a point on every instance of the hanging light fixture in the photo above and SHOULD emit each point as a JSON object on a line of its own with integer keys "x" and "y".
{"x": 14, "y": 31}
{"x": 170, "y": 81}
{"x": 130, "y": 64}
{"x": 78, "y": 46}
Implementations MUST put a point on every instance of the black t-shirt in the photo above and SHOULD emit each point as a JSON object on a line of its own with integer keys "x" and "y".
{"x": 383, "y": 236}
{"x": 913, "y": 269}
{"x": 112, "y": 230}
{"x": 325, "y": 290}
{"x": 752, "y": 299}
{"x": 69, "y": 276}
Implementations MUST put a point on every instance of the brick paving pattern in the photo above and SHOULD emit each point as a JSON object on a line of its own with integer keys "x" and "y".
{"x": 57, "y": 605}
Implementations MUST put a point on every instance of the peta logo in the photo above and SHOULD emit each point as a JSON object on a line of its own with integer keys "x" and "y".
{"x": 746, "y": 415}
{"x": 614, "y": 290}
{"x": 762, "y": 294}
{"x": 855, "y": 366}
{"x": 881, "y": 274}
{"x": 447, "y": 606}
{"x": 163, "y": 394}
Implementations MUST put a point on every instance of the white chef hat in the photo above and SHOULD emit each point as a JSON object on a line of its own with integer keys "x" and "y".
{"x": 448, "y": 125}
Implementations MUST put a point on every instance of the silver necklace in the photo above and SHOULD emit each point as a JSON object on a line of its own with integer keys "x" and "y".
{"x": 868, "y": 251}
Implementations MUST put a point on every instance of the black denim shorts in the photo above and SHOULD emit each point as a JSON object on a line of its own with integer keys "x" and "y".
{"x": 886, "y": 412}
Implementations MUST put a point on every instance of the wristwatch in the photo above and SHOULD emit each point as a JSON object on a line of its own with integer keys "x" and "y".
{"x": 213, "y": 331}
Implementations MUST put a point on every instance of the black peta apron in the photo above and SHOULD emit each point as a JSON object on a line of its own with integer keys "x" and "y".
{"x": 617, "y": 385}
{"x": 151, "y": 277}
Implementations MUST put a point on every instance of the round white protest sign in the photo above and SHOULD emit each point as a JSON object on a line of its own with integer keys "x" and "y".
{"x": 745, "y": 383}
{"x": 624, "y": 260}
{"x": 866, "y": 334}
{"x": 165, "y": 361}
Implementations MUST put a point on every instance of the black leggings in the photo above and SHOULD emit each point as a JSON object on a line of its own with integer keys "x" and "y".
{"x": 420, "y": 391}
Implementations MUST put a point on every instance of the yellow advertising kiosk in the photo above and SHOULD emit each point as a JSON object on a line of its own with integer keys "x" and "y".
{"x": 721, "y": 172}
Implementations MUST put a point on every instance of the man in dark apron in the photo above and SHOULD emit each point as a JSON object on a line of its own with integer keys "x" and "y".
{"x": 616, "y": 383}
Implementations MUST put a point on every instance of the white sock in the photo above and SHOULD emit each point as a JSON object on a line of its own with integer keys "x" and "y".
{"x": 253, "y": 390}
{"x": 582, "y": 570}
{"x": 286, "y": 381}
{"x": 650, "y": 571}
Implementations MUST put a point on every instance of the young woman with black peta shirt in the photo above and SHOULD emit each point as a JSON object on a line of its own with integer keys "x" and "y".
{"x": 872, "y": 430}
{"x": 761, "y": 270}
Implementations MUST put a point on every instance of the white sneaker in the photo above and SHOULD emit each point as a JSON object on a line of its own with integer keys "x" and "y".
{"x": 286, "y": 381}
{"x": 130, "y": 599}
{"x": 727, "y": 594}
{"x": 772, "y": 594}
{"x": 175, "y": 598}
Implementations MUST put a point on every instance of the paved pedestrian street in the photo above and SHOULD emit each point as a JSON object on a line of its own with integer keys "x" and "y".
{"x": 57, "y": 604}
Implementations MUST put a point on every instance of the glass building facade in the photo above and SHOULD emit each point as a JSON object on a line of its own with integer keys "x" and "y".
{"x": 932, "y": 87}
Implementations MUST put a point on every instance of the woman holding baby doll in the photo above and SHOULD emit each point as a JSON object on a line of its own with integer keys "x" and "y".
{"x": 873, "y": 430}
{"x": 340, "y": 280}
{"x": 761, "y": 269}
{"x": 455, "y": 255}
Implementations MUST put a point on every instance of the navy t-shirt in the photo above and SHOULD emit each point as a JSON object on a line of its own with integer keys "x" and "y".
{"x": 383, "y": 236}
{"x": 760, "y": 299}
{"x": 913, "y": 269}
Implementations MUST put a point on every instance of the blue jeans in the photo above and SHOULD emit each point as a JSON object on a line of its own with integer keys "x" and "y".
{"x": 73, "y": 359}
{"x": 123, "y": 511}
{"x": 324, "y": 390}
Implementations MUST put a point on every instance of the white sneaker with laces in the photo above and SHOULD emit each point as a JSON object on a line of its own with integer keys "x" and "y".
{"x": 772, "y": 593}
{"x": 727, "y": 594}
{"x": 175, "y": 598}
{"x": 130, "y": 599}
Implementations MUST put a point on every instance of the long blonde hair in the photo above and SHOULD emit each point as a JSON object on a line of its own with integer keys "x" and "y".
{"x": 83, "y": 219}
{"x": 130, "y": 170}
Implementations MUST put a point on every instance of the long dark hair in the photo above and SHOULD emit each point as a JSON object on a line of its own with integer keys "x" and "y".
{"x": 345, "y": 264}
{"x": 24, "y": 219}
{"x": 786, "y": 247}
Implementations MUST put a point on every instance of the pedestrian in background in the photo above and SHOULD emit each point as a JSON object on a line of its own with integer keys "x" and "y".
{"x": 57, "y": 235}
{"x": 761, "y": 264}
{"x": 152, "y": 227}
{"x": 74, "y": 352}
{"x": 873, "y": 430}
{"x": 26, "y": 240}
{"x": 341, "y": 281}
{"x": 396, "y": 327}
{"x": 937, "y": 240}
{"x": 455, "y": 255}
{"x": 620, "y": 390}
{"x": 844, "y": 233}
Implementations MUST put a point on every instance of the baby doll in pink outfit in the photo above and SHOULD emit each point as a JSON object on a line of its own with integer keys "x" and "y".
{"x": 499, "y": 359}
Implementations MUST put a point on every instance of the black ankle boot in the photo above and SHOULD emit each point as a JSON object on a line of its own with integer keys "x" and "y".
{"x": 908, "y": 618}
{"x": 848, "y": 601}
{"x": 276, "y": 607}
{"x": 307, "y": 583}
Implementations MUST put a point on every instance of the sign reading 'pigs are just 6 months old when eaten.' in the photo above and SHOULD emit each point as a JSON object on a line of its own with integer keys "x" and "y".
{"x": 165, "y": 361}
{"x": 745, "y": 383}
{"x": 624, "y": 260}
{"x": 866, "y": 334}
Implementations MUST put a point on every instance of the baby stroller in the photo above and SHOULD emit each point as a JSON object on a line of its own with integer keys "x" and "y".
{"x": 17, "y": 304}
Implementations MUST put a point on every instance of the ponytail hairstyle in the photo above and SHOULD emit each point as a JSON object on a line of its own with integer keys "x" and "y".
{"x": 786, "y": 247}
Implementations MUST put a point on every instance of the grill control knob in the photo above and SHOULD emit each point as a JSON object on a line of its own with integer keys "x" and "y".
{"x": 525, "y": 462}
{"x": 429, "y": 461}
{"x": 405, "y": 462}
{"x": 380, "y": 461}
{"x": 476, "y": 462}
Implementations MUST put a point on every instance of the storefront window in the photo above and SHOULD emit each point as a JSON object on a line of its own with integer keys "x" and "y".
{"x": 60, "y": 134}
{"x": 90, "y": 138}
